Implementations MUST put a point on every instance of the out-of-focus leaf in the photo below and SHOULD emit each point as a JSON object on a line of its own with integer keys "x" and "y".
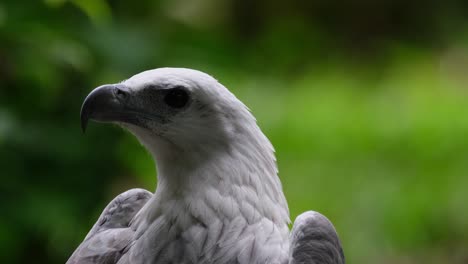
{"x": 97, "y": 10}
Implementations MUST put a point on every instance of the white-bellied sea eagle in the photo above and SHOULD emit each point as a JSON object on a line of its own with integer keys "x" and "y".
{"x": 218, "y": 197}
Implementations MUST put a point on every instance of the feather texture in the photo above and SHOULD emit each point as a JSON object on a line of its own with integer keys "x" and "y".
{"x": 314, "y": 240}
{"x": 111, "y": 235}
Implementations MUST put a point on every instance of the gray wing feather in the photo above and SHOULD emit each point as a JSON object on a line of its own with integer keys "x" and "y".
{"x": 314, "y": 240}
{"x": 107, "y": 240}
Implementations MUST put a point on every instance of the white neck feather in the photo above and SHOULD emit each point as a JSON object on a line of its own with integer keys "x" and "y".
{"x": 240, "y": 178}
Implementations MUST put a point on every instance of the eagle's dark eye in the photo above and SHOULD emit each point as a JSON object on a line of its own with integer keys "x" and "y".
{"x": 176, "y": 97}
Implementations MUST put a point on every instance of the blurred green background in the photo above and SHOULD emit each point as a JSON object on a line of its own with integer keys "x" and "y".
{"x": 365, "y": 102}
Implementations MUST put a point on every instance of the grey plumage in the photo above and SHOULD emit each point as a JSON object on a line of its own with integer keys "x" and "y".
{"x": 111, "y": 235}
{"x": 314, "y": 240}
{"x": 219, "y": 198}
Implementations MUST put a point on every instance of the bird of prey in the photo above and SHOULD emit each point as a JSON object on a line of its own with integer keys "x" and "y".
{"x": 218, "y": 197}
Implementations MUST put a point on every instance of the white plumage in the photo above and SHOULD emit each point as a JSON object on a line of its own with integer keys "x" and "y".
{"x": 218, "y": 199}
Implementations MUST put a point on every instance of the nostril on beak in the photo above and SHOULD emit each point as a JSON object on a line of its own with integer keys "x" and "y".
{"x": 121, "y": 92}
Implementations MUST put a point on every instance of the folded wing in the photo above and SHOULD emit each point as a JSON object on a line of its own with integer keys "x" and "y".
{"x": 314, "y": 240}
{"x": 111, "y": 235}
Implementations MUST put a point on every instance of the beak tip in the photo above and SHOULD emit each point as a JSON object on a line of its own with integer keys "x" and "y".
{"x": 84, "y": 124}
{"x": 99, "y": 105}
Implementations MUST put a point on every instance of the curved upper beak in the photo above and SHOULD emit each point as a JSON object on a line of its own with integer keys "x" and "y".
{"x": 106, "y": 103}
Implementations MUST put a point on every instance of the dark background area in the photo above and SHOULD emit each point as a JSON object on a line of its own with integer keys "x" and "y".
{"x": 365, "y": 102}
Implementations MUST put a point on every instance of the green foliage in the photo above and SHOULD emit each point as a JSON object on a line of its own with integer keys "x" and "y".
{"x": 369, "y": 121}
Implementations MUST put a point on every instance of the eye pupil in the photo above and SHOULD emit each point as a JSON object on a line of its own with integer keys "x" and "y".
{"x": 176, "y": 97}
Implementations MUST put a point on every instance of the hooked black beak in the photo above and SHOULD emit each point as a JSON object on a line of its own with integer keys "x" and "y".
{"x": 106, "y": 103}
